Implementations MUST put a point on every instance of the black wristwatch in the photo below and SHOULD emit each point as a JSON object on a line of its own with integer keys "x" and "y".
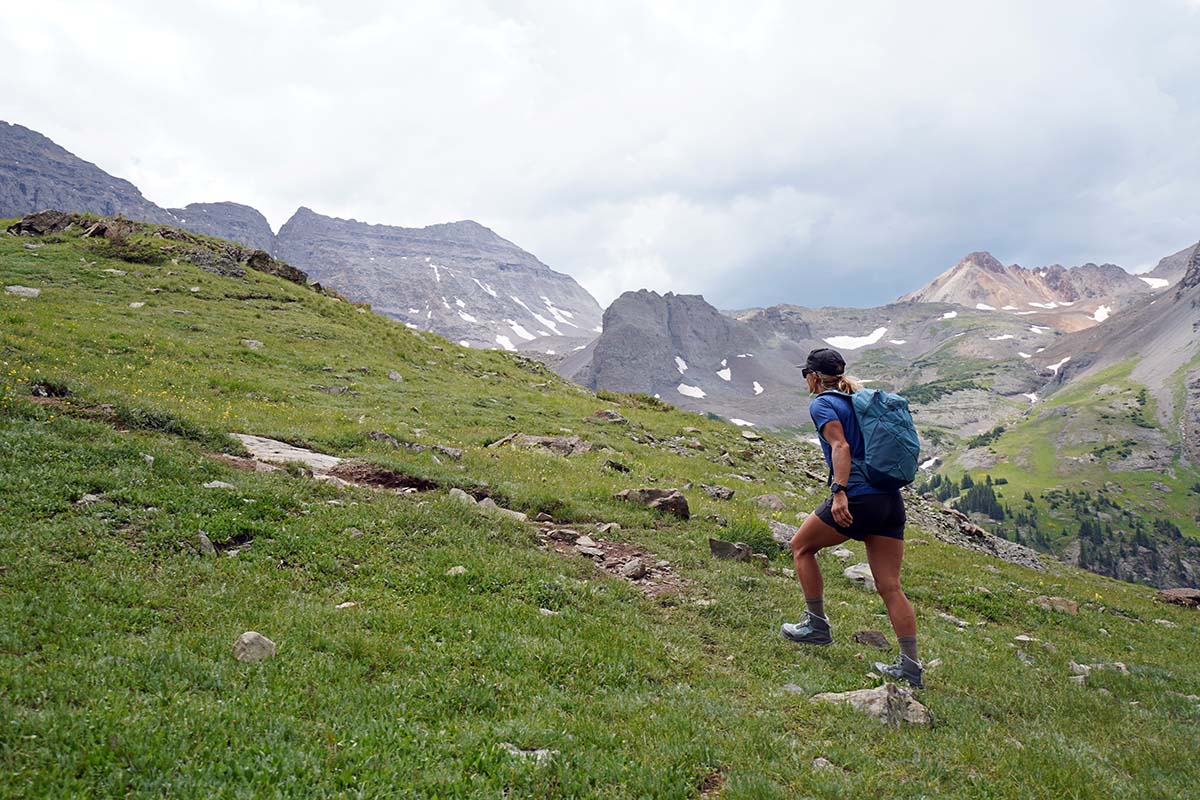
{"x": 836, "y": 487}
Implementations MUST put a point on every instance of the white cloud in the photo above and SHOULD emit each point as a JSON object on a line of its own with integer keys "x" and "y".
{"x": 738, "y": 151}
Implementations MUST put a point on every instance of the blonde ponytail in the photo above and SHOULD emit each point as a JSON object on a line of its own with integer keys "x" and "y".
{"x": 842, "y": 383}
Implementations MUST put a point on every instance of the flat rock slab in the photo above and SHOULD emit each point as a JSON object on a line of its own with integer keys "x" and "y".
{"x": 1189, "y": 598}
{"x": 22, "y": 291}
{"x": 1060, "y": 604}
{"x": 671, "y": 501}
{"x": 731, "y": 551}
{"x": 276, "y": 452}
{"x": 872, "y": 639}
{"x": 888, "y": 703}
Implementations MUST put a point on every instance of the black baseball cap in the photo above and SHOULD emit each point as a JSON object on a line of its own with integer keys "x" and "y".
{"x": 824, "y": 361}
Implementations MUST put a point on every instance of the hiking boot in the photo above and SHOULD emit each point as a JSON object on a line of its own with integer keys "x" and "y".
{"x": 905, "y": 669}
{"x": 811, "y": 629}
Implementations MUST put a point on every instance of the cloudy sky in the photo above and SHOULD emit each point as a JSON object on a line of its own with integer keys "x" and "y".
{"x": 754, "y": 152}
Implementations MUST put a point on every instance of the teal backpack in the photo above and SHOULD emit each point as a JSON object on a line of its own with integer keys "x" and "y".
{"x": 890, "y": 444}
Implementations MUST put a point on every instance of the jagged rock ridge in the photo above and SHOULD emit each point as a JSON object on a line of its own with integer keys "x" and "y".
{"x": 460, "y": 280}
{"x": 232, "y": 221}
{"x": 1079, "y": 296}
{"x": 37, "y": 174}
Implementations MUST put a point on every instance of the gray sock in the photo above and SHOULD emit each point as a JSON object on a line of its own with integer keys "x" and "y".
{"x": 908, "y": 647}
{"x": 816, "y": 607}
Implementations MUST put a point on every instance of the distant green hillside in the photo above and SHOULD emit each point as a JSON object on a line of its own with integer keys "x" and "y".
{"x": 120, "y": 384}
{"x": 1089, "y": 473}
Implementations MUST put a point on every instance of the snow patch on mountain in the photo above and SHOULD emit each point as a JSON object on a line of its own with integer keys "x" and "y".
{"x": 1056, "y": 367}
{"x": 950, "y": 315}
{"x": 1156, "y": 283}
{"x": 725, "y": 374}
{"x": 690, "y": 391}
{"x": 855, "y": 342}
{"x": 1001, "y": 337}
{"x": 505, "y": 342}
{"x": 681, "y": 365}
{"x": 758, "y": 389}
{"x": 1102, "y": 313}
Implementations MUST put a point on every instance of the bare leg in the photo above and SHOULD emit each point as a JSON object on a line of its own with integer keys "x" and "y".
{"x": 884, "y": 554}
{"x": 812, "y": 536}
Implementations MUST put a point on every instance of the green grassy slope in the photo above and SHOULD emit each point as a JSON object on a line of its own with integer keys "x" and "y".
{"x": 115, "y": 672}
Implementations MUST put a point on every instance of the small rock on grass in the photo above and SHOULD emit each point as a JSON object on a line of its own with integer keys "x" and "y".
{"x": 252, "y": 344}
{"x": 546, "y": 612}
{"x": 206, "y": 546}
{"x": 253, "y": 646}
{"x": 461, "y": 496}
{"x": 1060, "y": 604}
{"x": 842, "y": 553}
{"x": 219, "y": 485}
{"x": 458, "y": 569}
{"x": 540, "y": 756}
{"x": 822, "y": 763}
{"x": 395, "y": 376}
{"x": 633, "y": 569}
{"x": 608, "y": 527}
{"x": 771, "y": 501}
{"x": 347, "y": 604}
{"x": 22, "y": 291}
{"x": 888, "y": 703}
{"x": 861, "y": 574}
{"x": 953, "y": 620}
{"x": 872, "y": 638}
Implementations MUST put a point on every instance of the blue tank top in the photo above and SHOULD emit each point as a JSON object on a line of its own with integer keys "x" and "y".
{"x": 825, "y": 409}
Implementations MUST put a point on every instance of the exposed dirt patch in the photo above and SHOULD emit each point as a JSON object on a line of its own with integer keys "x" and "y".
{"x": 372, "y": 475}
{"x": 654, "y": 578}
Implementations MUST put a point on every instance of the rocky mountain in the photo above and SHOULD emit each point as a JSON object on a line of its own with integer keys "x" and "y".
{"x": 684, "y": 350}
{"x": 1172, "y": 268}
{"x": 36, "y": 174}
{"x": 1076, "y": 297}
{"x": 233, "y": 221}
{"x": 966, "y": 369}
{"x": 460, "y": 280}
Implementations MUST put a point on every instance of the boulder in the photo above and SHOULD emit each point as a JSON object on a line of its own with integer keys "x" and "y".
{"x": 670, "y": 501}
{"x": 770, "y": 501}
{"x": 461, "y": 496}
{"x": 888, "y": 703}
{"x": 1189, "y": 598}
{"x": 861, "y": 574}
{"x": 608, "y": 415}
{"x": 41, "y": 223}
{"x": 717, "y": 492}
{"x": 252, "y": 344}
{"x": 781, "y": 532}
{"x": 395, "y": 376}
{"x": 739, "y": 551}
{"x": 22, "y": 291}
{"x": 1060, "y": 604}
{"x": 751, "y": 436}
{"x": 253, "y": 646}
{"x": 842, "y": 553}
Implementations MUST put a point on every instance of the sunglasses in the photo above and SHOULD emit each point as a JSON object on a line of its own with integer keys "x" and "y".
{"x": 805, "y": 372}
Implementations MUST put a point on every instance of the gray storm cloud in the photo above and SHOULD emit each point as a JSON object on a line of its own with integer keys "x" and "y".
{"x": 757, "y": 153}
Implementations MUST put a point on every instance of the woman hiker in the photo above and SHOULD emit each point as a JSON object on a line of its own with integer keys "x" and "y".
{"x": 854, "y": 510}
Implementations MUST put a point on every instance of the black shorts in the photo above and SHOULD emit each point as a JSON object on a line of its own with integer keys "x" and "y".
{"x": 874, "y": 514}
